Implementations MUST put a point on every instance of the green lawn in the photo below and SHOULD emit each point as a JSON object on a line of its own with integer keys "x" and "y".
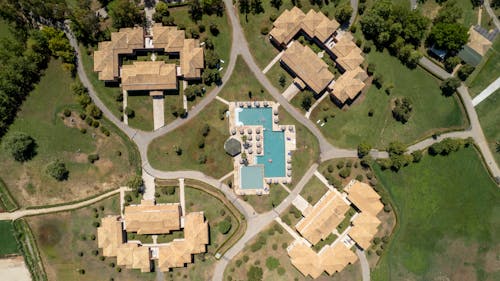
{"x": 58, "y": 138}
{"x": 314, "y": 190}
{"x": 265, "y": 203}
{"x": 274, "y": 74}
{"x": 488, "y": 112}
{"x": 215, "y": 212}
{"x": 486, "y": 72}
{"x": 432, "y": 112}
{"x": 62, "y": 236}
{"x": 469, "y": 14}
{"x": 143, "y": 112}
{"x": 162, "y": 151}
{"x": 242, "y": 83}
{"x": 8, "y": 244}
{"x": 448, "y": 220}
{"x": 263, "y": 51}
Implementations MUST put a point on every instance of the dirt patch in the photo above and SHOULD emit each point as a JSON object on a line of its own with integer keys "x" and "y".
{"x": 492, "y": 260}
{"x": 457, "y": 261}
{"x": 50, "y": 233}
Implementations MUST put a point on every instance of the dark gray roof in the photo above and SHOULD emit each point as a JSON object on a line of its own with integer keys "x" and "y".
{"x": 486, "y": 33}
{"x": 232, "y": 147}
{"x": 470, "y": 56}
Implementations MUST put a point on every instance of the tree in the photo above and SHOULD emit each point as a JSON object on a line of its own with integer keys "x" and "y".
{"x": 213, "y": 7}
{"x": 450, "y": 12}
{"x": 20, "y": 146}
{"x": 57, "y": 169}
{"x": 343, "y": 14}
{"x": 195, "y": 10}
{"x": 451, "y": 62}
{"x": 211, "y": 59}
{"x": 136, "y": 183}
{"x": 402, "y": 109}
{"x": 448, "y": 36}
{"x": 272, "y": 263}
{"x": 417, "y": 155}
{"x": 256, "y": 6}
{"x": 244, "y": 6}
{"x": 306, "y": 102}
{"x": 282, "y": 80}
{"x": 125, "y": 13}
{"x": 464, "y": 71}
{"x": 254, "y": 273}
{"x": 276, "y": 4}
{"x": 93, "y": 111}
{"x": 224, "y": 226}
{"x": 85, "y": 22}
{"x": 211, "y": 76}
{"x": 161, "y": 12}
{"x": 214, "y": 29}
{"x": 449, "y": 86}
{"x": 396, "y": 148}
{"x": 364, "y": 149}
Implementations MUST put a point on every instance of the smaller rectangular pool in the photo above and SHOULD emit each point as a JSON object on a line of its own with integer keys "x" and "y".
{"x": 252, "y": 177}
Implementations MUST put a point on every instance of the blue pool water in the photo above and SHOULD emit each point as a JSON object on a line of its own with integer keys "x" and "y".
{"x": 257, "y": 116}
{"x": 252, "y": 177}
{"x": 274, "y": 141}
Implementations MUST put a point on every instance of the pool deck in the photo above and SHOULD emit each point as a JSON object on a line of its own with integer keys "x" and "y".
{"x": 256, "y": 144}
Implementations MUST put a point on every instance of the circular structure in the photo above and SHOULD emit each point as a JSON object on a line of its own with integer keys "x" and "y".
{"x": 232, "y": 147}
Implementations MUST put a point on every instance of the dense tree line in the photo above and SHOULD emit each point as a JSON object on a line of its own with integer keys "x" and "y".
{"x": 30, "y": 13}
{"x": 396, "y": 28}
{"x": 447, "y": 33}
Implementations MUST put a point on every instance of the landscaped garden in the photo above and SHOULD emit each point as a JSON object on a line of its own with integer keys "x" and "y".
{"x": 370, "y": 118}
{"x": 8, "y": 244}
{"x": 448, "y": 226}
{"x": 488, "y": 112}
{"x": 92, "y": 162}
{"x": 197, "y": 145}
{"x": 314, "y": 190}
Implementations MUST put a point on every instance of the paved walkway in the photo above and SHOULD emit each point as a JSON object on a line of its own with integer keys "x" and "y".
{"x": 291, "y": 92}
{"x": 489, "y": 10}
{"x": 276, "y": 59}
{"x": 222, "y": 100}
{"x": 149, "y": 184}
{"x": 182, "y": 196}
{"x": 125, "y": 104}
{"x": 285, "y": 188}
{"x": 31, "y": 212}
{"x": 495, "y": 85}
{"x": 365, "y": 267}
{"x": 316, "y": 103}
{"x": 158, "y": 112}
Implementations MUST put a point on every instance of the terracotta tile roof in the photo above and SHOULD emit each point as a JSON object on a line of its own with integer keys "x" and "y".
{"x": 192, "y": 62}
{"x": 331, "y": 259}
{"x": 349, "y": 84}
{"x": 364, "y": 197}
{"x": 125, "y": 41}
{"x": 352, "y": 60}
{"x": 141, "y": 259}
{"x": 109, "y": 235}
{"x": 314, "y": 24}
{"x": 168, "y": 37}
{"x": 308, "y": 66}
{"x": 344, "y": 46}
{"x": 152, "y": 219}
{"x": 324, "y": 217}
{"x": 174, "y": 254}
{"x": 478, "y": 42}
{"x": 365, "y": 226}
{"x": 149, "y": 75}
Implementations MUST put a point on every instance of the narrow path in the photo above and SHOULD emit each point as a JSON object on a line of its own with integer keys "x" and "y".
{"x": 495, "y": 85}
{"x": 182, "y": 196}
{"x": 276, "y": 59}
{"x": 354, "y": 6}
{"x": 315, "y": 104}
{"x": 31, "y": 212}
{"x": 365, "y": 267}
{"x": 489, "y": 10}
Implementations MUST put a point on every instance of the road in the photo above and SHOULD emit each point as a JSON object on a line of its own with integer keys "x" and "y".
{"x": 365, "y": 267}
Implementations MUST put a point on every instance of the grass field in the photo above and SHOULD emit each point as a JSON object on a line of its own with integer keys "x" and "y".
{"x": 488, "y": 112}
{"x": 265, "y": 203}
{"x": 262, "y": 50}
{"x": 314, "y": 190}
{"x": 143, "y": 112}
{"x": 486, "y": 72}
{"x": 59, "y": 238}
{"x": 432, "y": 112}
{"x": 40, "y": 117}
{"x": 274, "y": 240}
{"x": 8, "y": 244}
{"x": 274, "y": 75}
{"x": 162, "y": 151}
{"x": 242, "y": 83}
{"x": 448, "y": 212}
{"x": 431, "y": 8}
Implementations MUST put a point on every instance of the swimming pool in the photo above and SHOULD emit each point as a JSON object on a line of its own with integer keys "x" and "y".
{"x": 274, "y": 141}
{"x": 256, "y": 116}
{"x": 252, "y": 177}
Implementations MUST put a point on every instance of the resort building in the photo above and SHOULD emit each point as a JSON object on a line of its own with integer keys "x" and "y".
{"x": 304, "y": 63}
{"x": 309, "y": 68}
{"x": 151, "y": 218}
{"x": 321, "y": 220}
{"x": 480, "y": 41}
{"x": 149, "y": 75}
{"x": 266, "y": 147}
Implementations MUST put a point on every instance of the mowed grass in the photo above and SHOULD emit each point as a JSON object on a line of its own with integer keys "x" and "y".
{"x": 243, "y": 86}
{"x": 143, "y": 112}
{"x": 59, "y": 238}
{"x": 260, "y": 46}
{"x": 431, "y": 8}
{"x": 486, "y": 72}
{"x": 314, "y": 190}
{"x": 274, "y": 74}
{"x": 488, "y": 112}
{"x": 448, "y": 211}
{"x": 432, "y": 112}
{"x": 162, "y": 151}
{"x": 265, "y": 203}
{"x": 40, "y": 117}
{"x": 8, "y": 243}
